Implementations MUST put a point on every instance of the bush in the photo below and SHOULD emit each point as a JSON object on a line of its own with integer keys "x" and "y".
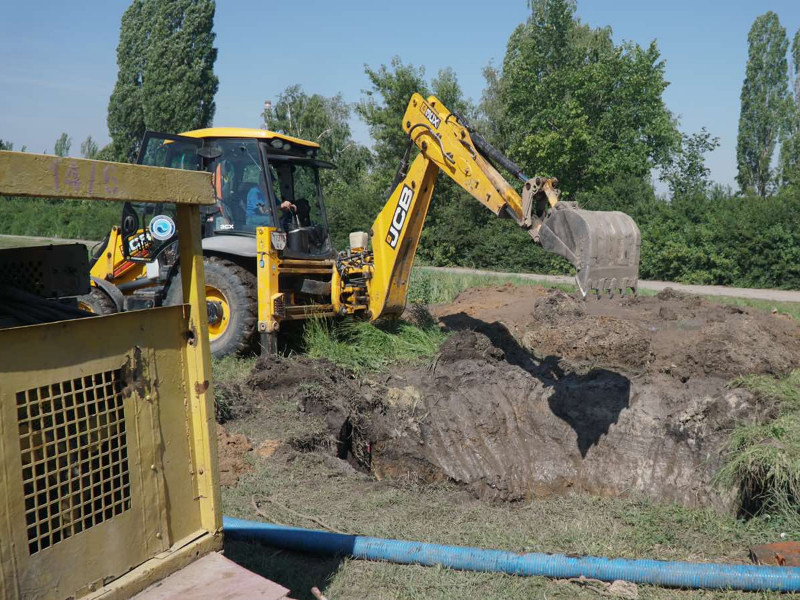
{"x": 69, "y": 219}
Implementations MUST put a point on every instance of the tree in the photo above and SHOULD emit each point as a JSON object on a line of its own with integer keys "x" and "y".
{"x": 790, "y": 146}
{"x": 4, "y": 145}
{"x": 89, "y": 148}
{"x": 126, "y": 124}
{"x": 63, "y": 144}
{"x": 571, "y": 104}
{"x": 166, "y": 78}
{"x": 384, "y": 105}
{"x": 765, "y": 103}
{"x": 179, "y": 82}
{"x": 686, "y": 173}
{"x": 315, "y": 118}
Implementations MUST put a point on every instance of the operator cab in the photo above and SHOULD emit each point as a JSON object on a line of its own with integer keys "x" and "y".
{"x": 261, "y": 179}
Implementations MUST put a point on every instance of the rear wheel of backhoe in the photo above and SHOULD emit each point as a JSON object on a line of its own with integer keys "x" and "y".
{"x": 232, "y": 302}
{"x": 97, "y": 302}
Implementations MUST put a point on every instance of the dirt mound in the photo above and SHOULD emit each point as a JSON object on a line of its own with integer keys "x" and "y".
{"x": 673, "y": 333}
{"x": 535, "y": 392}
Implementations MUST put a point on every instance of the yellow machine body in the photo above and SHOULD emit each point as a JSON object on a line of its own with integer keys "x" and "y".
{"x": 108, "y": 460}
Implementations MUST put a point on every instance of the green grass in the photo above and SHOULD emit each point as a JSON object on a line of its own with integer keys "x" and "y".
{"x": 763, "y": 459}
{"x": 363, "y": 346}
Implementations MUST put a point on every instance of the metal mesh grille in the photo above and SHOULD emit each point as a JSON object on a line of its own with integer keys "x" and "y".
{"x": 26, "y": 275}
{"x": 74, "y": 456}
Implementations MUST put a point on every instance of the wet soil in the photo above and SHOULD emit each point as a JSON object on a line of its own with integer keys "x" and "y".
{"x": 536, "y": 393}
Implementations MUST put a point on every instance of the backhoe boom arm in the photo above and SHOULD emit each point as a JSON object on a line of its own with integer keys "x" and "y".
{"x": 603, "y": 247}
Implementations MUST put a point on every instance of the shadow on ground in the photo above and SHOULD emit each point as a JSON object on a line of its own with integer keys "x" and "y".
{"x": 589, "y": 403}
{"x": 295, "y": 571}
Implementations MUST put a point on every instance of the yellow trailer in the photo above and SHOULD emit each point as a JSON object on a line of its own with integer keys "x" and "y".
{"x": 108, "y": 465}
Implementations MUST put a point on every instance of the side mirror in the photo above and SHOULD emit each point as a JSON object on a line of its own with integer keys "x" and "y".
{"x": 130, "y": 220}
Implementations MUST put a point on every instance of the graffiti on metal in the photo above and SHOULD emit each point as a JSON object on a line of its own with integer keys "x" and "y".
{"x": 71, "y": 177}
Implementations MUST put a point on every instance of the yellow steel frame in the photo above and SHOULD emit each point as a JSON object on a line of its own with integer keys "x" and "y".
{"x": 68, "y": 528}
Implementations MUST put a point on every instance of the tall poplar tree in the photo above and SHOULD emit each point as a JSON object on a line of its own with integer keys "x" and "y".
{"x": 63, "y": 145}
{"x": 765, "y": 97}
{"x": 166, "y": 78}
{"x": 125, "y": 112}
{"x": 790, "y": 146}
{"x": 179, "y": 83}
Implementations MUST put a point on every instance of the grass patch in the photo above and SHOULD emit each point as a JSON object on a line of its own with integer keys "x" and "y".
{"x": 763, "y": 460}
{"x": 363, "y": 346}
{"x": 228, "y": 373}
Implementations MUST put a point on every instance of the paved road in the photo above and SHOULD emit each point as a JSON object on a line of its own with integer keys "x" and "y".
{"x": 657, "y": 286}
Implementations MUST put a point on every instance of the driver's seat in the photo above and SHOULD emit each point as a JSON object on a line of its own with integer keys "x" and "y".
{"x": 238, "y": 204}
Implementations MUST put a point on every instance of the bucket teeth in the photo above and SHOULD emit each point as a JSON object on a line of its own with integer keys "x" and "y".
{"x": 602, "y": 246}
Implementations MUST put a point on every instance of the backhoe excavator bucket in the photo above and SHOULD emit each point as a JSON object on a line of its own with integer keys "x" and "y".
{"x": 602, "y": 246}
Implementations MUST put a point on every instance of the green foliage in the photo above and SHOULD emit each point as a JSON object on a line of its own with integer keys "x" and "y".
{"x": 763, "y": 460}
{"x": 70, "y": 219}
{"x": 713, "y": 238}
{"x": 364, "y": 346}
{"x": 790, "y": 145}
{"x": 5, "y": 145}
{"x": 125, "y": 110}
{"x": 685, "y": 172}
{"x": 89, "y": 148}
{"x": 63, "y": 145}
{"x": 179, "y": 82}
{"x": 166, "y": 78}
{"x": 765, "y": 104}
{"x": 384, "y": 105}
{"x": 573, "y": 105}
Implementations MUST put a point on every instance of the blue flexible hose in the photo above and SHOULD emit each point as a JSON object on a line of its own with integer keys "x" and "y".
{"x": 652, "y": 572}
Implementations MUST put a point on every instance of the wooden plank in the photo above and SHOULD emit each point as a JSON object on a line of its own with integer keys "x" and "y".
{"x": 213, "y": 577}
{"x": 40, "y": 175}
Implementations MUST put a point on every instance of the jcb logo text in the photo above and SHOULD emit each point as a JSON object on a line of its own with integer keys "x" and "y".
{"x": 399, "y": 218}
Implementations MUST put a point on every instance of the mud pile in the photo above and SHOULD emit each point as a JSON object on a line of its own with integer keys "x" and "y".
{"x": 536, "y": 393}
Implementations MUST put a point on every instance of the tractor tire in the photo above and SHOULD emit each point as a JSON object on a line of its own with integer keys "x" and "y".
{"x": 232, "y": 299}
{"x": 97, "y": 302}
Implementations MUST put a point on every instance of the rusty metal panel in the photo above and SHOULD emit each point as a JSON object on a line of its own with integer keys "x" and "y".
{"x": 26, "y": 174}
{"x": 95, "y": 457}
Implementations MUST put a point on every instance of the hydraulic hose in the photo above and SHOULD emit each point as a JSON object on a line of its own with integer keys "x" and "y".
{"x": 651, "y": 572}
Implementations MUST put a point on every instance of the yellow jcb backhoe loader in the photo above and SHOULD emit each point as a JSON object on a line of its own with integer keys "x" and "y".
{"x": 266, "y": 266}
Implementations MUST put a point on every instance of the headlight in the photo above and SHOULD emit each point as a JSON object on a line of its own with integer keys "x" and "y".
{"x": 276, "y": 143}
{"x": 278, "y": 239}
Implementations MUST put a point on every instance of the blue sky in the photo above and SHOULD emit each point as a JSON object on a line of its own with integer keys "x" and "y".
{"x": 58, "y": 63}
